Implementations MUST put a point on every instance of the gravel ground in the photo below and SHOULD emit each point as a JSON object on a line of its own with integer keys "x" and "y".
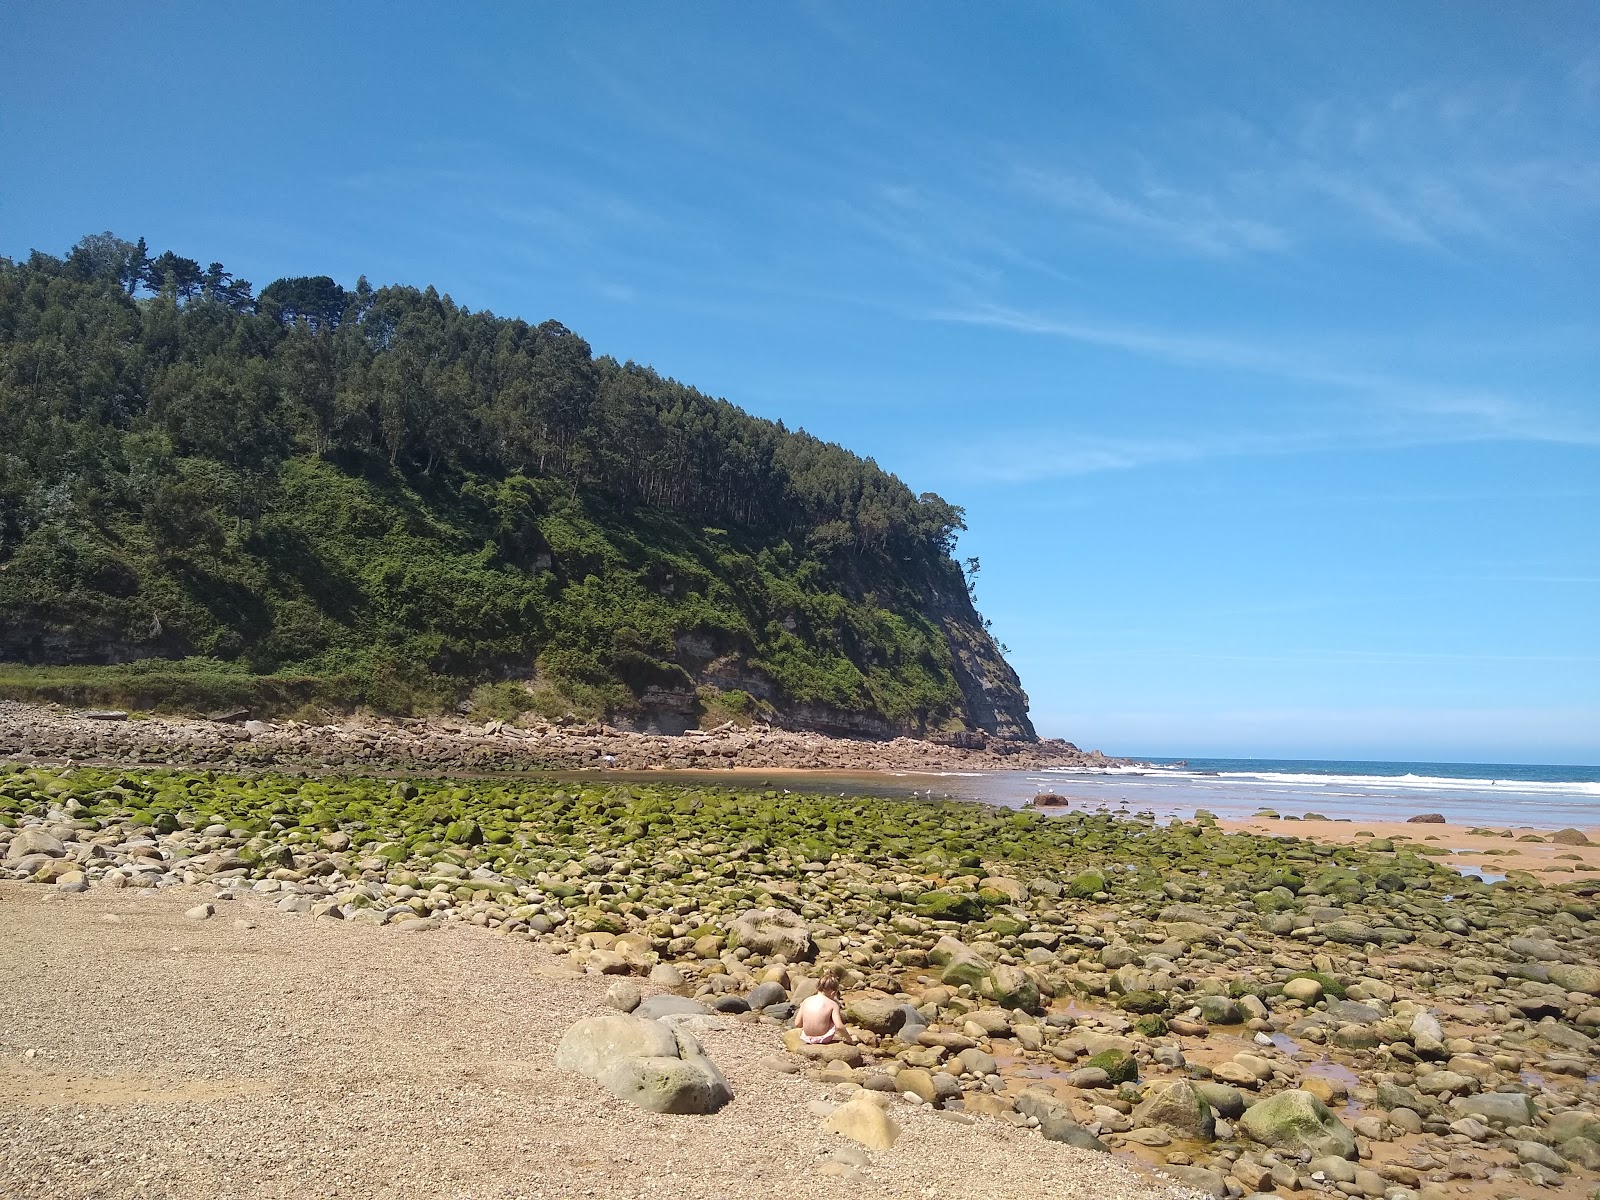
{"x": 263, "y": 1054}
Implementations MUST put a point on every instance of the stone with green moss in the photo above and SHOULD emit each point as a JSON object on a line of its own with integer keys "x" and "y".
{"x": 1119, "y": 1065}
{"x": 1143, "y": 1001}
{"x": 949, "y": 906}
{"x": 1086, "y": 885}
{"x": 1331, "y": 987}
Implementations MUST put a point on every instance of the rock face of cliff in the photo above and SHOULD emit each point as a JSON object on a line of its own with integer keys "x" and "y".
{"x": 991, "y": 690}
{"x": 987, "y": 696}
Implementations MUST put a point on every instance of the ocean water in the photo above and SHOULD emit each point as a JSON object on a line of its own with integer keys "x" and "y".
{"x": 1497, "y": 794}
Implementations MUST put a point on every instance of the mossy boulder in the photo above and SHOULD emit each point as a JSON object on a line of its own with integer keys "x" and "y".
{"x": 950, "y": 906}
{"x": 1119, "y": 1065}
{"x": 1086, "y": 885}
{"x": 967, "y": 968}
{"x": 592, "y": 919}
{"x": 1331, "y": 987}
{"x": 1220, "y": 1010}
{"x": 1298, "y": 1122}
{"x": 1275, "y": 900}
{"x": 1004, "y": 925}
{"x": 1143, "y": 1000}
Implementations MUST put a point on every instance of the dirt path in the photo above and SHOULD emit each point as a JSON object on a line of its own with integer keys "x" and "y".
{"x": 262, "y": 1054}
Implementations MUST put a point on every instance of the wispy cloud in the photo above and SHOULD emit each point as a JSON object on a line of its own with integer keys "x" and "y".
{"x": 1426, "y": 167}
{"x": 1027, "y": 456}
{"x": 1408, "y": 411}
{"x": 1165, "y": 213}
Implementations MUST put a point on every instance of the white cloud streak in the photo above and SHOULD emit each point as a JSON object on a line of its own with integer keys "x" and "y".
{"x": 1164, "y": 213}
{"x": 1402, "y": 411}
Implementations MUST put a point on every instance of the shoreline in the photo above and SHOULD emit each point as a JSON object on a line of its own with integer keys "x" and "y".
{"x": 458, "y": 748}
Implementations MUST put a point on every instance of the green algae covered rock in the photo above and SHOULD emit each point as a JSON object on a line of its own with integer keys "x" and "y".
{"x": 1220, "y": 1010}
{"x": 1119, "y": 1065}
{"x": 965, "y": 968}
{"x": 949, "y": 906}
{"x": 1086, "y": 885}
{"x": 1331, "y": 987}
{"x": 1297, "y": 1121}
{"x": 1143, "y": 1001}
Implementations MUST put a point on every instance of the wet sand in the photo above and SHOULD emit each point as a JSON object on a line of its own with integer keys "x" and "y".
{"x": 1498, "y": 852}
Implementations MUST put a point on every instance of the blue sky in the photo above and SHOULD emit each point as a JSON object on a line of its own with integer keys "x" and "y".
{"x": 1261, "y": 343}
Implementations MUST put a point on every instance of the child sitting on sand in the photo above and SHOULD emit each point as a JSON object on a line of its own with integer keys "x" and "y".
{"x": 819, "y": 1016}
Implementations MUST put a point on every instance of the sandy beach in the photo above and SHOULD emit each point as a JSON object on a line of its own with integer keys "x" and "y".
{"x": 264, "y": 1054}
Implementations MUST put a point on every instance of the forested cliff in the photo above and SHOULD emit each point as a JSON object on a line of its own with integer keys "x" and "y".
{"x": 382, "y": 488}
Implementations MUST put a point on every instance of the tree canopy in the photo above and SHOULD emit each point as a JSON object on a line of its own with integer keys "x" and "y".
{"x": 178, "y": 452}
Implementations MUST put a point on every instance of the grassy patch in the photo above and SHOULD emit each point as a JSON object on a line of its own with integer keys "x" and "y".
{"x": 204, "y": 686}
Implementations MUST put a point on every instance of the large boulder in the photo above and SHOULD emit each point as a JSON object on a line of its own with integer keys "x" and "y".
{"x": 764, "y": 995}
{"x": 950, "y": 906}
{"x": 645, "y": 1063}
{"x": 1013, "y": 890}
{"x": 1297, "y": 1121}
{"x": 595, "y": 1043}
{"x": 1011, "y": 987}
{"x": 34, "y": 841}
{"x": 1220, "y": 1010}
{"x": 1086, "y": 885}
{"x": 1055, "y": 1120}
{"x": 1574, "y": 1123}
{"x": 883, "y": 1015}
{"x": 1177, "y": 1107}
{"x": 863, "y": 1121}
{"x": 1575, "y": 978}
{"x": 1119, "y": 1066}
{"x": 770, "y": 931}
{"x": 968, "y": 968}
{"x": 1497, "y": 1108}
{"x": 663, "y": 1085}
{"x": 1347, "y": 931}
{"x": 1583, "y": 1151}
{"x": 1225, "y": 1101}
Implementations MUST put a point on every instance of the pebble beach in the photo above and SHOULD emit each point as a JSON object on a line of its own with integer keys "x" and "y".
{"x": 234, "y": 981}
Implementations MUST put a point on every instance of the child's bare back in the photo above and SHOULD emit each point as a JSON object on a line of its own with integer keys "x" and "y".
{"x": 819, "y": 1016}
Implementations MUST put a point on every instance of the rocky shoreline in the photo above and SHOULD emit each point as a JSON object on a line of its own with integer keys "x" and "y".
{"x": 1253, "y": 1013}
{"x": 48, "y": 733}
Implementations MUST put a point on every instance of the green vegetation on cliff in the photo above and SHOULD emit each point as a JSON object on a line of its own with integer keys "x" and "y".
{"x": 380, "y": 497}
